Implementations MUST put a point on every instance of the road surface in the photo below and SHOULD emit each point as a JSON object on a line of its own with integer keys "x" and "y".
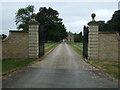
{"x": 62, "y": 68}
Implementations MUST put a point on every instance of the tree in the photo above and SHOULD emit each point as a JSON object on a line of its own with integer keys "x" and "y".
{"x": 23, "y": 16}
{"x": 3, "y": 36}
{"x": 78, "y": 37}
{"x": 54, "y": 27}
{"x": 112, "y": 25}
{"x": 102, "y": 26}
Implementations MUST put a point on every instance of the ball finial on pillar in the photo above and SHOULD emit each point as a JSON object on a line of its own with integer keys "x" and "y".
{"x": 93, "y": 15}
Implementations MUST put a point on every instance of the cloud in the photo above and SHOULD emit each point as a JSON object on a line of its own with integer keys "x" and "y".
{"x": 104, "y": 14}
{"x": 74, "y": 15}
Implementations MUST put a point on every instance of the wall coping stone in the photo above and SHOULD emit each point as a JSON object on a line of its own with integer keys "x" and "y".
{"x": 34, "y": 23}
{"x": 93, "y": 23}
{"x": 107, "y": 32}
{"x": 13, "y": 31}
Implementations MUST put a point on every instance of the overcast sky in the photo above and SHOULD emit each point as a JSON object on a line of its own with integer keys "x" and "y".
{"x": 74, "y": 14}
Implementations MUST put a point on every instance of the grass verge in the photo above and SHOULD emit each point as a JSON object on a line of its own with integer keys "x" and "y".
{"x": 78, "y": 47}
{"x": 50, "y": 46}
{"x": 11, "y": 65}
{"x": 109, "y": 67}
{"x": 14, "y": 64}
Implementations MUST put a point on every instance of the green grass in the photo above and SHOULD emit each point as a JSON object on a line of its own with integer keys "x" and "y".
{"x": 9, "y": 65}
{"x": 49, "y": 46}
{"x": 78, "y": 47}
{"x": 13, "y": 64}
{"x": 110, "y": 67}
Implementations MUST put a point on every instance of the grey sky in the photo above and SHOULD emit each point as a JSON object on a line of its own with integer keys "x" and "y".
{"x": 74, "y": 14}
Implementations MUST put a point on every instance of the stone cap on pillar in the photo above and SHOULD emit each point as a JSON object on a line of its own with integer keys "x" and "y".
{"x": 93, "y": 22}
{"x": 33, "y": 21}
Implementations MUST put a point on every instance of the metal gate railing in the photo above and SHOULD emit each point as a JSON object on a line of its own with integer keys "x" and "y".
{"x": 41, "y": 40}
{"x": 85, "y": 42}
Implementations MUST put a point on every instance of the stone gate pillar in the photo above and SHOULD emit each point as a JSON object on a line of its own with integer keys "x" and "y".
{"x": 33, "y": 39}
{"x": 93, "y": 39}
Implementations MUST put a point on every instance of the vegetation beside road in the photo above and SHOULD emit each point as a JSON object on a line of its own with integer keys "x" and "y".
{"x": 109, "y": 67}
{"x": 9, "y": 65}
{"x": 50, "y": 46}
{"x": 13, "y": 64}
{"x": 77, "y": 46}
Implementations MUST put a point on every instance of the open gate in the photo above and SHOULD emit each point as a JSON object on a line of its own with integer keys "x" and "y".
{"x": 41, "y": 40}
{"x": 85, "y": 42}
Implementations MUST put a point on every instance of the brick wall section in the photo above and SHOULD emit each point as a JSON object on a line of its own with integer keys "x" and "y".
{"x": 108, "y": 46}
{"x": 15, "y": 45}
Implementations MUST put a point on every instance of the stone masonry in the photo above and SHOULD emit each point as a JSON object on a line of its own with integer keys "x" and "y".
{"x": 102, "y": 45}
{"x": 33, "y": 39}
{"x": 22, "y": 44}
{"x": 93, "y": 40}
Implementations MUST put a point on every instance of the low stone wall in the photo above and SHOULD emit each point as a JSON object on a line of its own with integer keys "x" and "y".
{"x": 15, "y": 45}
{"x": 108, "y": 46}
{"x": 102, "y": 45}
{"x": 118, "y": 47}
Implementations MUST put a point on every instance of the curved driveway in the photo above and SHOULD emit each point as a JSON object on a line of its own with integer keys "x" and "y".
{"x": 62, "y": 68}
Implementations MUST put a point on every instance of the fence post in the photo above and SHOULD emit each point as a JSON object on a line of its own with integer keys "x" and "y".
{"x": 93, "y": 27}
{"x": 33, "y": 39}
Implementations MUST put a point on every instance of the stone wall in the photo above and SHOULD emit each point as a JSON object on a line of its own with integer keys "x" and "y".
{"x": 93, "y": 42}
{"x": 108, "y": 46}
{"x": 33, "y": 39}
{"x": 102, "y": 45}
{"x": 118, "y": 36}
{"x": 15, "y": 45}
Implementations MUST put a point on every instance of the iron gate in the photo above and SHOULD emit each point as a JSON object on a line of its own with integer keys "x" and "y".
{"x": 85, "y": 42}
{"x": 41, "y": 40}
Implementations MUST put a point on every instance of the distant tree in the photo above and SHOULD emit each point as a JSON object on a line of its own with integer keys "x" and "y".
{"x": 112, "y": 25}
{"x": 78, "y": 37}
{"x": 23, "y": 16}
{"x": 3, "y": 36}
{"x": 102, "y": 26}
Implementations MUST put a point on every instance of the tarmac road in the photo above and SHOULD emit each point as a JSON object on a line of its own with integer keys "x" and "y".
{"x": 62, "y": 68}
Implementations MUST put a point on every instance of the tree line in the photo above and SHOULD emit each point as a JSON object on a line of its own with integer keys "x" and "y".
{"x": 54, "y": 28}
{"x": 78, "y": 37}
{"x": 112, "y": 25}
